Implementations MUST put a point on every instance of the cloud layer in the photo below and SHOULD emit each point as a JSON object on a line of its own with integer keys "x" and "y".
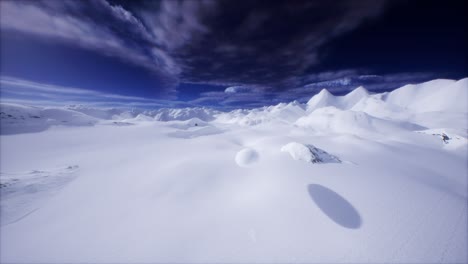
{"x": 233, "y": 43}
{"x": 25, "y": 91}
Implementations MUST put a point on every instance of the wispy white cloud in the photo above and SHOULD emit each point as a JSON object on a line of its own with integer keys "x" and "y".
{"x": 16, "y": 89}
{"x": 69, "y": 21}
{"x": 242, "y": 89}
{"x": 223, "y": 98}
{"x": 177, "y": 23}
{"x": 8, "y": 82}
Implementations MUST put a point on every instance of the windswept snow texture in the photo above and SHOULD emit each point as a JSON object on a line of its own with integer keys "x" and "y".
{"x": 195, "y": 185}
{"x": 24, "y": 192}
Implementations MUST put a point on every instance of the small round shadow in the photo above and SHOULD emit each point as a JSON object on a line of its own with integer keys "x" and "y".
{"x": 335, "y": 206}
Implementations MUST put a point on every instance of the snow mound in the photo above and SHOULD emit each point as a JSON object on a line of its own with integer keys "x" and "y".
{"x": 246, "y": 157}
{"x": 309, "y": 153}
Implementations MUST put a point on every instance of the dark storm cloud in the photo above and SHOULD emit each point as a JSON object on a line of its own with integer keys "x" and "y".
{"x": 266, "y": 44}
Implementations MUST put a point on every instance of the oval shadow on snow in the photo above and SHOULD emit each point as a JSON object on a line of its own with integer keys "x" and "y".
{"x": 335, "y": 206}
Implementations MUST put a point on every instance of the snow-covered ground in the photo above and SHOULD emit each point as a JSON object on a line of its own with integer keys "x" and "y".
{"x": 357, "y": 178}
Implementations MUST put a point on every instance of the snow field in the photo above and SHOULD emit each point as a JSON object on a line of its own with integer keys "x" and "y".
{"x": 198, "y": 185}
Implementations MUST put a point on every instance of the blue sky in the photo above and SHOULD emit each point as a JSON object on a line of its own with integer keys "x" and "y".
{"x": 224, "y": 54}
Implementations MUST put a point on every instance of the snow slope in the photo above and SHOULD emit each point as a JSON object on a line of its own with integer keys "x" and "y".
{"x": 332, "y": 120}
{"x": 22, "y": 119}
{"x": 436, "y": 95}
{"x": 227, "y": 188}
{"x": 24, "y": 192}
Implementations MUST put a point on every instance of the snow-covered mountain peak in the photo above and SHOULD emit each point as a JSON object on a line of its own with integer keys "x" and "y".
{"x": 323, "y": 98}
{"x": 353, "y": 97}
{"x": 324, "y": 93}
{"x": 358, "y": 92}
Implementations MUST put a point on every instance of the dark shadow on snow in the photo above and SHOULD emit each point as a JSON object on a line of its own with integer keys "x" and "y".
{"x": 335, "y": 206}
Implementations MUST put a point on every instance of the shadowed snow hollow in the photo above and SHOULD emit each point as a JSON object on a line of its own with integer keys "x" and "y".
{"x": 309, "y": 153}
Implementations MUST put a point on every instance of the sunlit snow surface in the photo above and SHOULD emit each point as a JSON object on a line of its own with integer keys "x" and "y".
{"x": 87, "y": 185}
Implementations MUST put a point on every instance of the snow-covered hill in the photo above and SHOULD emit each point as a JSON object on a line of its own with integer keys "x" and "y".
{"x": 333, "y": 120}
{"x": 23, "y": 119}
{"x": 436, "y": 95}
{"x": 360, "y": 178}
